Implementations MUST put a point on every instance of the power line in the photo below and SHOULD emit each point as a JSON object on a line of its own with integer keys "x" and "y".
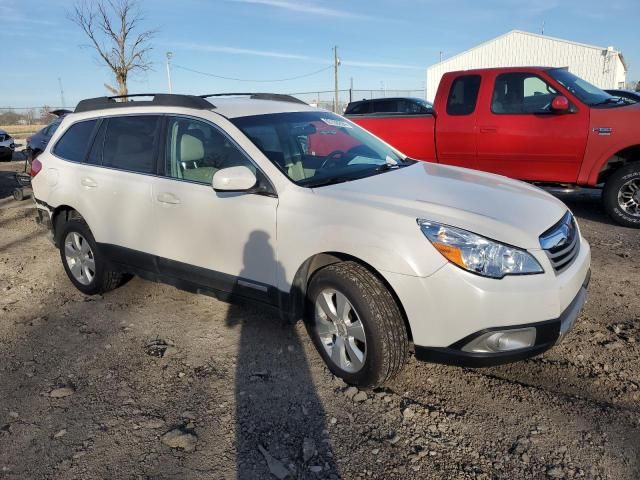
{"x": 248, "y": 80}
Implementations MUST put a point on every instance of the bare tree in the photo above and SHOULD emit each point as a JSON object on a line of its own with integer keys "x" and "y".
{"x": 113, "y": 26}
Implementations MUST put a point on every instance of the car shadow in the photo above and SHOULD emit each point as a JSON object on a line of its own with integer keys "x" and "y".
{"x": 586, "y": 203}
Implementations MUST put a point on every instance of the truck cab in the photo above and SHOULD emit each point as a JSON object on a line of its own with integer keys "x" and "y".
{"x": 537, "y": 124}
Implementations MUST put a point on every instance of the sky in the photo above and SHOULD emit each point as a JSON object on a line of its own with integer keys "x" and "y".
{"x": 381, "y": 43}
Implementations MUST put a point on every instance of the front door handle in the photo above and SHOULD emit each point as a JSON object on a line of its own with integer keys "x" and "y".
{"x": 168, "y": 199}
{"x": 88, "y": 182}
{"x": 488, "y": 129}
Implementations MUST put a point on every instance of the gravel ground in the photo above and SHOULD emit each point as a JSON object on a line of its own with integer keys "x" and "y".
{"x": 152, "y": 382}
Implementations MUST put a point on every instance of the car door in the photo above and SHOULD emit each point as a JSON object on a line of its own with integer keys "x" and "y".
{"x": 114, "y": 187}
{"x": 521, "y": 137}
{"x": 456, "y": 128}
{"x": 222, "y": 240}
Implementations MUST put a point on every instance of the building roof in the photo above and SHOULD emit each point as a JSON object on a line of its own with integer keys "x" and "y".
{"x": 537, "y": 35}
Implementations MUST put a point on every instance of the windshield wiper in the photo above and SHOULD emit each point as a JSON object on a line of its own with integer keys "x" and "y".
{"x": 610, "y": 100}
{"x": 328, "y": 181}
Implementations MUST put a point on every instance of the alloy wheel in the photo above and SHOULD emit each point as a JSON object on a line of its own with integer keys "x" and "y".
{"x": 340, "y": 330}
{"x": 629, "y": 197}
{"x": 79, "y": 257}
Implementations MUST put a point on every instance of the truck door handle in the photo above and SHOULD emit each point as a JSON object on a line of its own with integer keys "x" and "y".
{"x": 168, "y": 199}
{"x": 488, "y": 129}
{"x": 88, "y": 182}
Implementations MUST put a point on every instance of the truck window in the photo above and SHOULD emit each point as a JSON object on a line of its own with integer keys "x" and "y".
{"x": 463, "y": 95}
{"x": 521, "y": 93}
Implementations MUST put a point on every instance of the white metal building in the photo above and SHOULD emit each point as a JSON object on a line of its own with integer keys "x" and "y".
{"x": 604, "y": 67}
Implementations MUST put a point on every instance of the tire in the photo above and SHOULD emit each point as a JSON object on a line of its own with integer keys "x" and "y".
{"x": 624, "y": 186}
{"x": 18, "y": 194}
{"x": 93, "y": 273}
{"x": 384, "y": 351}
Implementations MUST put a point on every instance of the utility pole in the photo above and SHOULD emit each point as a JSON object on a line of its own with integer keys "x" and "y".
{"x": 542, "y": 31}
{"x": 62, "y": 103}
{"x": 440, "y": 56}
{"x": 169, "y": 56}
{"x": 336, "y": 64}
{"x": 350, "y": 89}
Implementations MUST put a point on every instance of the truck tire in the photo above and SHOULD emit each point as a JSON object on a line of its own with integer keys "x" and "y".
{"x": 621, "y": 195}
{"x": 86, "y": 267}
{"x": 356, "y": 325}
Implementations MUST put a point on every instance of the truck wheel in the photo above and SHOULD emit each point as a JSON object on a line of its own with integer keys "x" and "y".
{"x": 86, "y": 267}
{"x": 621, "y": 195}
{"x": 356, "y": 325}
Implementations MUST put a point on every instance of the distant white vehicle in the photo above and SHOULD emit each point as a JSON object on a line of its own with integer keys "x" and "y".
{"x": 7, "y": 146}
{"x": 263, "y": 197}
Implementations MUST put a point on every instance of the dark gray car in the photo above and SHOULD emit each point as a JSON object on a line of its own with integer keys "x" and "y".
{"x": 626, "y": 94}
{"x": 38, "y": 141}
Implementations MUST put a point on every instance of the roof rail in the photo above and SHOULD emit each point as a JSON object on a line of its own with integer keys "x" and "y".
{"x": 157, "y": 99}
{"x": 278, "y": 97}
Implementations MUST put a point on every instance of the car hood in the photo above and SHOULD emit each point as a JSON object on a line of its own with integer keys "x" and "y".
{"x": 494, "y": 206}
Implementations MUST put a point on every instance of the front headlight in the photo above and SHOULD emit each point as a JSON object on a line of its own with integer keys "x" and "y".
{"x": 478, "y": 254}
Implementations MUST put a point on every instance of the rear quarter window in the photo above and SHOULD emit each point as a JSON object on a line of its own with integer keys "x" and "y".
{"x": 74, "y": 143}
{"x": 463, "y": 95}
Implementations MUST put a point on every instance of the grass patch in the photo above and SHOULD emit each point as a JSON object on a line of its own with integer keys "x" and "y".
{"x": 21, "y": 130}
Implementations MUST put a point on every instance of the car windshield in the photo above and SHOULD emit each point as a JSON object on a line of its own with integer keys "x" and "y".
{"x": 587, "y": 93}
{"x": 319, "y": 148}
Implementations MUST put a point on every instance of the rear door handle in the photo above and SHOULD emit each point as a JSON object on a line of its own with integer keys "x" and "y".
{"x": 88, "y": 182}
{"x": 488, "y": 129}
{"x": 168, "y": 199}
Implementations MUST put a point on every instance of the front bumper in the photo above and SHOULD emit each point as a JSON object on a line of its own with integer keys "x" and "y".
{"x": 548, "y": 333}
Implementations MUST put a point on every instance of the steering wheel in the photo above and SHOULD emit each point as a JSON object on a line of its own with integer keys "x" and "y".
{"x": 335, "y": 159}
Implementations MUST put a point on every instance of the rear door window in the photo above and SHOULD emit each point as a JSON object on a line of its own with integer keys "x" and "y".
{"x": 130, "y": 143}
{"x": 385, "y": 106}
{"x": 75, "y": 141}
{"x": 359, "y": 108}
{"x": 463, "y": 95}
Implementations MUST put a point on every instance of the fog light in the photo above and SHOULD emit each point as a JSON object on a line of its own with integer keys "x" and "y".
{"x": 502, "y": 341}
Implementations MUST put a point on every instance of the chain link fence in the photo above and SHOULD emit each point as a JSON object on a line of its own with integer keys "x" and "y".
{"x": 326, "y": 98}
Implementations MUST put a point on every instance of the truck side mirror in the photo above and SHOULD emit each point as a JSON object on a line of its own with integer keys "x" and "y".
{"x": 560, "y": 104}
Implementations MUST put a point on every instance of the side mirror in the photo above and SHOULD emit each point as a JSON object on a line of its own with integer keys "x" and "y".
{"x": 234, "y": 179}
{"x": 560, "y": 104}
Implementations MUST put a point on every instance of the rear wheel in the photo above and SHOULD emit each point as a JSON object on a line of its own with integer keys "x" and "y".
{"x": 621, "y": 195}
{"x": 86, "y": 267}
{"x": 356, "y": 325}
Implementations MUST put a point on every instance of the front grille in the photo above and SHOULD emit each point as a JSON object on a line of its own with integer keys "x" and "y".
{"x": 561, "y": 243}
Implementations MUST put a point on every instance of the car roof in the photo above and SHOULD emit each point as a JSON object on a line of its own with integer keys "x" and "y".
{"x": 415, "y": 99}
{"x": 505, "y": 69}
{"x": 234, "y": 107}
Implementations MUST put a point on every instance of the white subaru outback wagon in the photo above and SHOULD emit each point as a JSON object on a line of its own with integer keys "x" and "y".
{"x": 265, "y": 198}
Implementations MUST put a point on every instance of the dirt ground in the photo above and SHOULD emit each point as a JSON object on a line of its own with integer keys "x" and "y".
{"x": 151, "y": 382}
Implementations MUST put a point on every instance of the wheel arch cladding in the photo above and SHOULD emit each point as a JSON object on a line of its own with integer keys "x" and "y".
{"x": 62, "y": 214}
{"x": 311, "y": 266}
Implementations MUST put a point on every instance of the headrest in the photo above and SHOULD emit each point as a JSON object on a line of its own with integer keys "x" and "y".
{"x": 191, "y": 148}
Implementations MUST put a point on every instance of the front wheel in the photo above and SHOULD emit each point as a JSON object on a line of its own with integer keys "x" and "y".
{"x": 356, "y": 325}
{"x": 87, "y": 269}
{"x": 621, "y": 195}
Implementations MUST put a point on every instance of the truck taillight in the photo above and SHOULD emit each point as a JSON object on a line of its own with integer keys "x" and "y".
{"x": 36, "y": 166}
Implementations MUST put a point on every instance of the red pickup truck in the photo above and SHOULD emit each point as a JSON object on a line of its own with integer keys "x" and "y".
{"x": 542, "y": 125}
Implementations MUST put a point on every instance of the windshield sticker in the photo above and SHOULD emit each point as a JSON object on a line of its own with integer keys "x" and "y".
{"x": 336, "y": 123}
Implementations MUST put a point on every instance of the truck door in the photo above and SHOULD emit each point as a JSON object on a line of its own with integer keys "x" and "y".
{"x": 456, "y": 121}
{"x": 521, "y": 137}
